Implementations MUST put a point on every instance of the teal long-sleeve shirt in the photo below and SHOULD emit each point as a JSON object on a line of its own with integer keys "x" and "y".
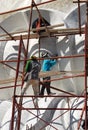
{"x": 48, "y": 64}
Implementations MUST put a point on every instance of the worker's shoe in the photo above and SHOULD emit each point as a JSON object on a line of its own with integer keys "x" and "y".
{"x": 41, "y": 95}
{"x": 51, "y": 93}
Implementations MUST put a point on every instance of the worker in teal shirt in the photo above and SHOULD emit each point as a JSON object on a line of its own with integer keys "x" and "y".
{"x": 47, "y": 66}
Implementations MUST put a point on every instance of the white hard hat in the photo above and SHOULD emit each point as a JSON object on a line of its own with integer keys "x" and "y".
{"x": 45, "y": 54}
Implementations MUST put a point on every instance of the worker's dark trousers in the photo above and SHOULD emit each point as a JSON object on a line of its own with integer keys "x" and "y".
{"x": 46, "y": 85}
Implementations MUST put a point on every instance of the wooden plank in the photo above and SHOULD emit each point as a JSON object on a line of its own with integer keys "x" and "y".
{"x": 53, "y": 32}
{"x": 48, "y": 73}
{"x": 55, "y": 73}
{"x": 42, "y": 75}
{"x": 49, "y": 27}
{"x": 10, "y": 80}
{"x": 31, "y": 30}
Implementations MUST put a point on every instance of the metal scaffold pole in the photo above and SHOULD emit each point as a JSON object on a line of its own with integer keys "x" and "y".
{"x": 86, "y": 66}
{"x": 14, "y": 94}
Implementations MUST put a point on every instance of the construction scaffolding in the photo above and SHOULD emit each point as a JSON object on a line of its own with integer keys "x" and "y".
{"x": 49, "y": 32}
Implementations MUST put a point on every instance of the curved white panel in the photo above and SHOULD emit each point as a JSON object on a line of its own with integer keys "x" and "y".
{"x": 64, "y": 119}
